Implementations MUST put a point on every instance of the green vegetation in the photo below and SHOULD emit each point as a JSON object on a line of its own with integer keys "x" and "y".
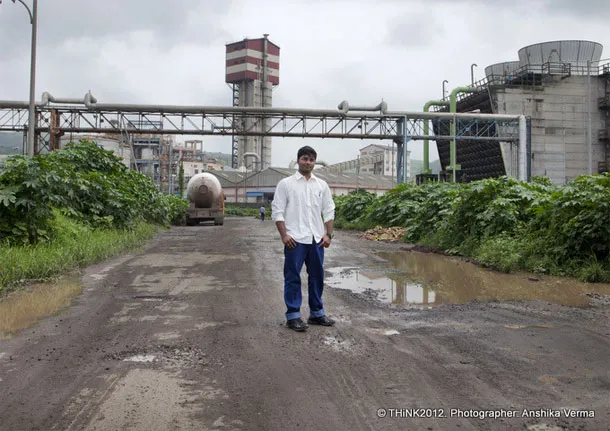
{"x": 72, "y": 207}
{"x": 243, "y": 210}
{"x": 75, "y": 245}
{"x": 502, "y": 223}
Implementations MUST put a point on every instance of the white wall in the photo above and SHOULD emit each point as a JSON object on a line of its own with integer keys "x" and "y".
{"x": 558, "y": 112}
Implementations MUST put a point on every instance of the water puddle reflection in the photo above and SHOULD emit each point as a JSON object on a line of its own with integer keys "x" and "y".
{"x": 20, "y": 310}
{"x": 427, "y": 280}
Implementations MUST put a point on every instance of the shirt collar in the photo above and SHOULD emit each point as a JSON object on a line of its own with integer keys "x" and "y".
{"x": 299, "y": 175}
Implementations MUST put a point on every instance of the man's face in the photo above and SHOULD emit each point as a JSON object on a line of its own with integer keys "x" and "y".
{"x": 306, "y": 163}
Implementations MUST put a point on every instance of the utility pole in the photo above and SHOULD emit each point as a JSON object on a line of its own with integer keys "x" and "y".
{"x": 33, "y": 13}
{"x": 358, "y": 174}
{"x": 589, "y": 138}
{"x": 32, "y": 114}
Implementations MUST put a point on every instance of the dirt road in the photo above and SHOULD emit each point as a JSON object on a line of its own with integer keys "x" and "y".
{"x": 189, "y": 334}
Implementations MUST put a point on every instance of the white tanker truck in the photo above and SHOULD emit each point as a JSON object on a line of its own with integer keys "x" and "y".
{"x": 206, "y": 200}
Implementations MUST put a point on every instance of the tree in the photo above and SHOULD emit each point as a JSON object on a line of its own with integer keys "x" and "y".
{"x": 181, "y": 179}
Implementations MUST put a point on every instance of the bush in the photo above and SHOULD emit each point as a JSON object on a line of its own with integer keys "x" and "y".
{"x": 84, "y": 182}
{"x": 502, "y": 222}
{"x": 352, "y": 207}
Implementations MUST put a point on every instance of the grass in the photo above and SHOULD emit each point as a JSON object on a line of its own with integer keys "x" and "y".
{"x": 235, "y": 210}
{"x": 76, "y": 246}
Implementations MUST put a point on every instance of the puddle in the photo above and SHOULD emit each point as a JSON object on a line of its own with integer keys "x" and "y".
{"x": 140, "y": 358}
{"x": 377, "y": 283}
{"x": 528, "y": 326}
{"x": 20, "y": 310}
{"x": 387, "y": 332}
{"x": 427, "y": 280}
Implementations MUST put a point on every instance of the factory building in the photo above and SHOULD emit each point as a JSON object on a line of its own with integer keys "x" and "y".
{"x": 386, "y": 160}
{"x": 373, "y": 159}
{"x": 564, "y": 89}
{"x": 260, "y": 186}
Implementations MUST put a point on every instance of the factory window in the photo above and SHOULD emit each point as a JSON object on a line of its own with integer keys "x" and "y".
{"x": 196, "y": 171}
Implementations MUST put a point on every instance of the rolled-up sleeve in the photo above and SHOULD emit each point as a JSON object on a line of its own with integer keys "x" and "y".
{"x": 328, "y": 205}
{"x": 278, "y": 206}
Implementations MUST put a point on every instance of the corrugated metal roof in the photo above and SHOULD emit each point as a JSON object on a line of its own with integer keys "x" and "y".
{"x": 380, "y": 146}
{"x": 228, "y": 178}
{"x": 271, "y": 176}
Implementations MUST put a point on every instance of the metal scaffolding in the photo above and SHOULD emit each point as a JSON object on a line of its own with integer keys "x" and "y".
{"x": 88, "y": 116}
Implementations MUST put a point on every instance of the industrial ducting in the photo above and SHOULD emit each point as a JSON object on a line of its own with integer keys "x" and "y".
{"x": 577, "y": 53}
{"x": 504, "y": 69}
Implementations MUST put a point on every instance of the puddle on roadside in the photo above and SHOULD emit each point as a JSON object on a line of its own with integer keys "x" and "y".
{"x": 428, "y": 280}
{"x": 23, "y": 309}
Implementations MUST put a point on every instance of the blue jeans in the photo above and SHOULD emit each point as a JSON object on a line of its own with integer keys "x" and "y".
{"x": 312, "y": 255}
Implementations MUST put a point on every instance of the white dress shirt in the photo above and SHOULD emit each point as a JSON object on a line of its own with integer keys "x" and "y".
{"x": 304, "y": 206}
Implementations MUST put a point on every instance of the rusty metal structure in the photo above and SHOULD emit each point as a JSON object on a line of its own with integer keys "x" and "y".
{"x": 53, "y": 119}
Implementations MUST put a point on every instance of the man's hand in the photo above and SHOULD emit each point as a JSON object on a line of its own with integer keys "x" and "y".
{"x": 289, "y": 241}
{"x": 325, "y": 241}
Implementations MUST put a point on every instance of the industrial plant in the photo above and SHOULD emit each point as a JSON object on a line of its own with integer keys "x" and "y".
{"x": 550, "y": 119}
{"x": 562, "y": 87}
{"x": 252, "y": 69}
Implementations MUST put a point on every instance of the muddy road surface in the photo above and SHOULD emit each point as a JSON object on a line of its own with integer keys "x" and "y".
{"x": 189, "y": 334}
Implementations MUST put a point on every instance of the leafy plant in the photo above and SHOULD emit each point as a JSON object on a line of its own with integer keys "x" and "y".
{"x": 353, "y": 205}
{"x": 84, "y": 182}
{"x": 501, "y": 222}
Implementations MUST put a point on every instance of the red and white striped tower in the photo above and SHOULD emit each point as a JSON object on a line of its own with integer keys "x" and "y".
{"x": 253, "y": 68}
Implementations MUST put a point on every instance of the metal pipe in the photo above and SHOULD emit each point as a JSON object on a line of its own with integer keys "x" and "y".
{"x": 452, "y": 110}
{"x": 48, "y": 98}
{"x": 255, "y": 155}
{"x": 444, "y": 92}
{"x": 405, "y": 152}
{"x": 171, "y": 170}
{"x": 426, "y": 131}
{"x": 472, "y": 66}
{"x": 345, "y": 107}
{"x": 522, "y": 148}
{"x": 16, "y": 104}
{"x": 589, "y": 138}
{"x": 91, "y": 104}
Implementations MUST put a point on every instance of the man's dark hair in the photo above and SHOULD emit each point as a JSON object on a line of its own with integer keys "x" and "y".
{"x": 307, "y": 150}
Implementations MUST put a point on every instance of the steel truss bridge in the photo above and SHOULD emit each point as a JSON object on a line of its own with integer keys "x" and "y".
{"x": 56, "y": 117}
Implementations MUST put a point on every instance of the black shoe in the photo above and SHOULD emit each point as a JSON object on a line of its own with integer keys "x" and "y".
{"x": 297, "y": 325}
{"x": 322, "y": 320}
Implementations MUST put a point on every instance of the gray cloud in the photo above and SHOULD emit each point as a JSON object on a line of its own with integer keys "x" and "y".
{"x": 414, "y": 29}
{"x": 580, "y": 8}
{"x": 172, "y": 52}
{"x": 60, "y": 21}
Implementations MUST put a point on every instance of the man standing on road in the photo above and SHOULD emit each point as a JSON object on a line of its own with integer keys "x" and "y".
{"x": 262, "y": 213}
{"x": 303, "y": 211}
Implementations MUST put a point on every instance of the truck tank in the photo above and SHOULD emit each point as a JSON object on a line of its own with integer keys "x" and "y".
{"x": 203, "y": 190}
{"x": 206, "y": 200}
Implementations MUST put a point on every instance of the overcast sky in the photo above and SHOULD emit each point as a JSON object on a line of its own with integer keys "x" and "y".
{"x": 173, "y": 52}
